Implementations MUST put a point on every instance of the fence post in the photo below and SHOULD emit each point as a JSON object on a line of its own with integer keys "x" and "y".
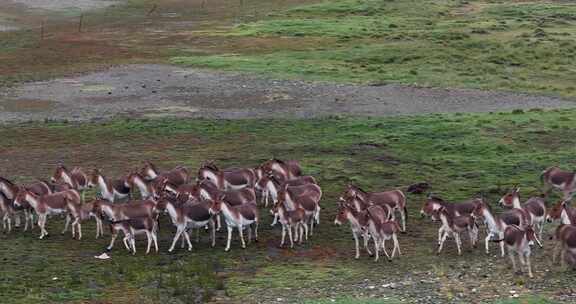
{"x": 42, "y": 30}
{"x": 80, "y": 23}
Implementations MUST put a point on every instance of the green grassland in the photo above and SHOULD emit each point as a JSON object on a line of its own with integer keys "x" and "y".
{"x": 461, "y": 155}
{"x": 524, "y": 46}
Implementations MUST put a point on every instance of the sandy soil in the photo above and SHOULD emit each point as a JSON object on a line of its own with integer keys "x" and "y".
{"x": 163, "y": 90}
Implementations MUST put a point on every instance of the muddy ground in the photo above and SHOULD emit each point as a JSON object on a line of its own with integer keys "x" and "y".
{"x": 163, "y": 90}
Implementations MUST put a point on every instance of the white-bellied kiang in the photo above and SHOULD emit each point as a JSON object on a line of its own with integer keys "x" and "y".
{"x": 10, "y": 190}
{"x": 361, "y": 205}
{"x": 381, "y": 231}
{"x": 286, "y": 170}
{"x": 234, "y": 197}
{"x": 454, "y": 225}
{"x": 49, "y": 204}
{"x": 76, "y": 178}
{"x": 496, "y": 224}
{"x": 83, "y": 212}
{"x": 565, "y": 237}
{"x": 147, "y": 188}
{"x": 177, "y": 176}
{"x": 556, "y": 178}
{"x": 228, "y": 179}
{"x": 563, "y": 212}
{"x": 433, "y": 203}
{"x": 258, "y": 173}
{"x": 124, "y": 211}
{"x": 394, "y": 198}
{"x": 517, "y": 241}
{"x": 7, "y": 211}
{"x": 132, "y": 227}
{"x": 54, "y": 187}
{"x": 192, "y": 214}
{"x": 185, "y": 192}
{"x": 291, "y": 220}
{"x": 359, "y": 221}
{"x": 306, "y": 197}
{"x": 209, "y": 191}
{"x": 239, "y": 217}
{"x": 269, "y": 186}
{"x": 535, "y": 207}
{"x": 111, "y": 190}
{"x": 357, "y": 225}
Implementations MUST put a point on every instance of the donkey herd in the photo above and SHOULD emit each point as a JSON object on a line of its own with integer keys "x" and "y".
{"x": 201, "y": 202}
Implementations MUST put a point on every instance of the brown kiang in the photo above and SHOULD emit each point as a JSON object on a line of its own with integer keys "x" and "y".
{"x": 245, "y": 215}
{"x": 177, "y": 176}
{"x": 534, "y": 208}
{"x": 454, "y": 225}
{"x": 110, "y": 189}
{"x": 497, "y": 224}
{"x": 394, "y": 198}
{"x": 372, "y": 222}
{"x": 57, "y": 203}
{"x": 190, "y": 214}
{"x": 233, "y": 178}
{"x": 565, "y": 181}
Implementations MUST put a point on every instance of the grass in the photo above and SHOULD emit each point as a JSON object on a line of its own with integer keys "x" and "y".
{"x": 528, "y": 300}
{"x": 503, "y": 45}
{"x": 134, "y": 31}
{"x": 521, "y": 46}
{"x": 462, "y": 155}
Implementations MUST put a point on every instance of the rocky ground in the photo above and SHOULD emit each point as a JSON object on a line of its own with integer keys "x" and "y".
{"x": 164, "y": 90}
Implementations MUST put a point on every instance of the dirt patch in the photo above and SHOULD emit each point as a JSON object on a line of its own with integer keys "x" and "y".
{"x": 5, "y": 28}
{"x": 164, "y": 90}
{"x": 315, "y": 253}
{"x": 66, "y": 4}
{"x": 26, "y": 105}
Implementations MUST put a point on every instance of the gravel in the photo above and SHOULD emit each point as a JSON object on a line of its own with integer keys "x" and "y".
{"x": 164, "y": 90}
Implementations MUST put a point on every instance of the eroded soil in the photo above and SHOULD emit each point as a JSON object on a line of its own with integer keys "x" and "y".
{"x": 163, "y": 90}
